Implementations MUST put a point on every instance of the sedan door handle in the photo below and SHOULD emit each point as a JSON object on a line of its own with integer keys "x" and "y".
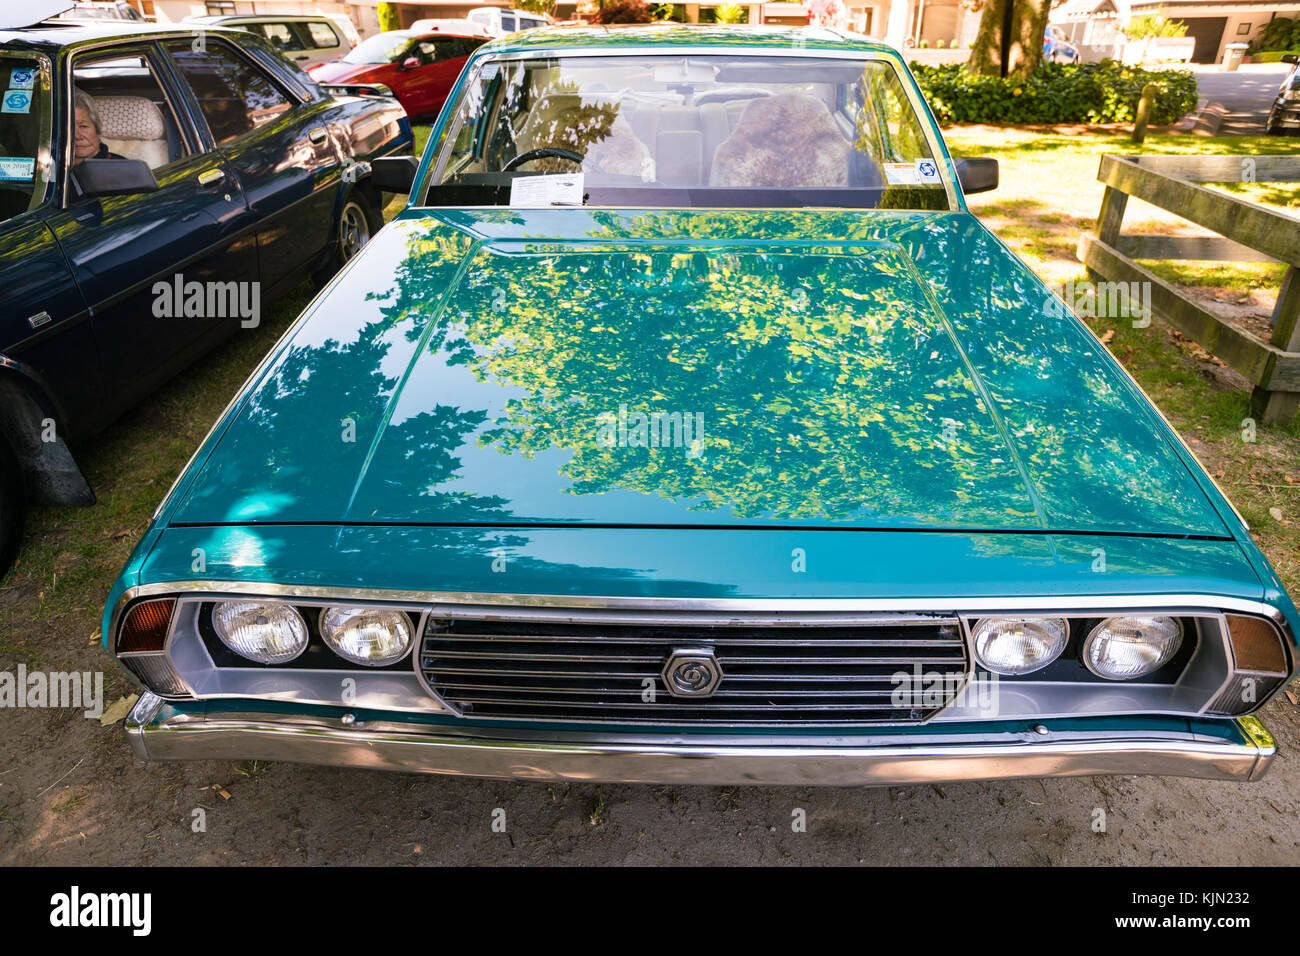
{"x": 212, "y": 177}
{"x": 317, "y": 134}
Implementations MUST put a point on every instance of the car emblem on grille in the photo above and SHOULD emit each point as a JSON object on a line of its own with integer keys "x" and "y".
{"x": 691, "y": 672}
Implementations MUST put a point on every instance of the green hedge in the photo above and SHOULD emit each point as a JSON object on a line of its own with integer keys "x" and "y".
{"x": 1105, "y": 92}
{"x": 1270, "y": 56}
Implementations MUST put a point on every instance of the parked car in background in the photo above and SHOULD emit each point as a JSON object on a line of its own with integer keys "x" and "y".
{"x": 460, "y": 27}
{"x": 306, "y": 40}
{"x": 687, "y": 427}
{"x": 1284, "y": 113}
{"x": 1056, "y": 48}
{"x": 418, "y": 68}
{"x": 109, "y": 10}
{"x": 150, "y": 164}
{"x": 499, "y": 22}
{"x": 345, "y": 24}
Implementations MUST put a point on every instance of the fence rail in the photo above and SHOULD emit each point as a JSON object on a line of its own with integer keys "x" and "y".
{"x": 1247, "y": 232}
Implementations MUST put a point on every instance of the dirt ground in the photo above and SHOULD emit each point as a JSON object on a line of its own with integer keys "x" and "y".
{"x": 76, "y": 796}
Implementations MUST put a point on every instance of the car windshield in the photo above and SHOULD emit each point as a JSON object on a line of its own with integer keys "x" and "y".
{"x": 385, "y": 48}
{"x": 688, "y": 131}
{"x": 25, "y": 124}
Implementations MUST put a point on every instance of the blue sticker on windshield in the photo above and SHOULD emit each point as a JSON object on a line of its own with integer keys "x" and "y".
{"x": 22, "y": 78}
{"x": 927, "y": 171}
{"x": 17, "y": 169}
{"x": 16, "y": 101}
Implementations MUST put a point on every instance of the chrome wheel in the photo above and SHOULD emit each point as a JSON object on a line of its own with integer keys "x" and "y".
{"x": 354, "y": 230}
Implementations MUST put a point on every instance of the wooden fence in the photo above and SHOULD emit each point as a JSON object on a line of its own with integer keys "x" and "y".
{"x": 1247, "y": 232}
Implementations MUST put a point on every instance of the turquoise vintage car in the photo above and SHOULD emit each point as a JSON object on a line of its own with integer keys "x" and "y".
{"x": 686, "y": 427}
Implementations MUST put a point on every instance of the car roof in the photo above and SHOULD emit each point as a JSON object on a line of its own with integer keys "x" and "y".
{"x": 53, "y": 34}
{"x": 218, "y": 18}
{"x": 694, "y": 35}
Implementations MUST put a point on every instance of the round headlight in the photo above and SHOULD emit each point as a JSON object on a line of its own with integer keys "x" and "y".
{"x": 1019, "y": 645}
{"x": 268, "y": 633}
{"x": 373, "y": 636}
{"x": 1121, "y": 648}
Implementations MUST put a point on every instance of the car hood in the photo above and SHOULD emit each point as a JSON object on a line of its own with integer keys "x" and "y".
{"x": 801, "y": 369}
{"x": 340, "y": 72}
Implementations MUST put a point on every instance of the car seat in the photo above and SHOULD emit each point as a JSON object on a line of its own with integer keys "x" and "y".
{"x": 133, "y": 127}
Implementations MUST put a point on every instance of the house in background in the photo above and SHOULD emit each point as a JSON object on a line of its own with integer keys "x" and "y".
{"x": 1093, "y": 25}
{"x": 904, "y": 23}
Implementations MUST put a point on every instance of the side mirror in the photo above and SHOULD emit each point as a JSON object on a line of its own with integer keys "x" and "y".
{"x": 977, "y": 175}
{"x": 114, "y": 177}
{"x": 410, "y": 63}
{"x": 1291, "y": 57}
{"x": 394, "y": 174}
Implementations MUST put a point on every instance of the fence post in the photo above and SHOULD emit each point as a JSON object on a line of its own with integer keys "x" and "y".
{"x": 1144, "y": 113}
{"x": 1109, "y": 220}
{"x": 1281, "y": 406}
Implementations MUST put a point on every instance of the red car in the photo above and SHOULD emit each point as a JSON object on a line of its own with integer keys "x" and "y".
{"x": 420, "y": 68}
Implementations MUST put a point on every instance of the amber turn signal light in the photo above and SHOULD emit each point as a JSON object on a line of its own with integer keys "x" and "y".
{"x": 145, "y": 626}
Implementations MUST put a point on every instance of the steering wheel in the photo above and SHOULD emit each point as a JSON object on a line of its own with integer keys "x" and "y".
{"x": 530, "y": 155}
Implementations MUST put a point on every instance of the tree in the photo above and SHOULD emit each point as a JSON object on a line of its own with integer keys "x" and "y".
{"x": 537, "y": 6}
{"x": 1151, "y": 26}
{"x": 623, "y": 11}
{"x": 388, "y": 17}
{"x": 1010, "y": 38}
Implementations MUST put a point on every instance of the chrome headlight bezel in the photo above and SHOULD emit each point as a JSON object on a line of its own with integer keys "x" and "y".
{"x": 1060, "y": 640}
{"x": 1168, "y": 655}
{"x": 329, "y": 638}
{"x": 290, "y": 614}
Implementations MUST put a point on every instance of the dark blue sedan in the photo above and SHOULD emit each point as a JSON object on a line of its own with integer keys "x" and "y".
{"x": 159, "y": 186}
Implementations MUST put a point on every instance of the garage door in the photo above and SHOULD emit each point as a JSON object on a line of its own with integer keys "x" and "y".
{"x": 1208, "y": 33}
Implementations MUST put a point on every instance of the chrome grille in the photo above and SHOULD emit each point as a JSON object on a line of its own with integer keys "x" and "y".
{"x": 780, "y": 670}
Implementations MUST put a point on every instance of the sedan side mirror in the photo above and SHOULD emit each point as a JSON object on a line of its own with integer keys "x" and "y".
{"x": 977, "y": 175}
{"x": 410, "y": 63}
{"x": 394, "y": 174}
{"x": 1291, "y": 57}
{"x": 114, "y": 177}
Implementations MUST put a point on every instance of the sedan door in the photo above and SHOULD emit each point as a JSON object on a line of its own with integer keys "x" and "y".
{"x": 281, "y": 150}
{"x": 196, "y": 228}
{"x": 443, "y": 59}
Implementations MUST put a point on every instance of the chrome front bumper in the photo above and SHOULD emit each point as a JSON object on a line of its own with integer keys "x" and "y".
{"x": 159, "y": 732}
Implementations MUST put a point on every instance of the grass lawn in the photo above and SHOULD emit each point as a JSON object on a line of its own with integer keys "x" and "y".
{"x": 50, "y": 603}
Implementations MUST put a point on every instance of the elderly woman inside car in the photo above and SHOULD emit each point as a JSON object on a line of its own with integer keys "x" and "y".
{"x": 86, "y": 143}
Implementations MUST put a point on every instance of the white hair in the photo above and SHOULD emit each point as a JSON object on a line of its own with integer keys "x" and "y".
{"x": 82, "y": 101}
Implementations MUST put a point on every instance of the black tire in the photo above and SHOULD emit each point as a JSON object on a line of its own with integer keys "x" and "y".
{"x": 1271, "y": 125}
{"x": 13, "y": 506}
{"x": 358, "y": 220}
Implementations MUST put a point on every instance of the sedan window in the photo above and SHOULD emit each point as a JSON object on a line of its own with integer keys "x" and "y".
{"x": 385, "y": 48}
{"x": 696, "y": 131}
{"x": 235, "y": 96}
{"x": 322, "y": 35}
{"x": 280, "y": 35}
{"x": 121, "y": 110}
{"x": 25, "y": 126}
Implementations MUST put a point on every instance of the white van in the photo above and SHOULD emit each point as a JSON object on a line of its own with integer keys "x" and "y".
{"x": 463, "y": 28}
{"x": 306, "y": 40}
{"x": 500, "y": 22}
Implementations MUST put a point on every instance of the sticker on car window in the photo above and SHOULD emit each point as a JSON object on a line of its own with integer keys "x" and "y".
{"x": 16, "y": 101}
{"x": 17, "y": 168}
{"x": 901, "y": 174}
{"x": 555, "y": 190}
{"x": 927, "y": 171}
{"x": 22, "y": 78}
